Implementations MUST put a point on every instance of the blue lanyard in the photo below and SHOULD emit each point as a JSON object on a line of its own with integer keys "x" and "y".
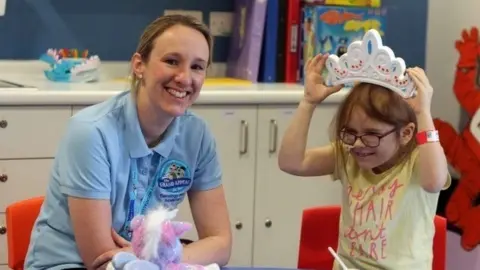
{"x": 133, "y": 210}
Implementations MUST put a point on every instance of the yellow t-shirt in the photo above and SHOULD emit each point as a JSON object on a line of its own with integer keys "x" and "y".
{"x": 387, "y": 220}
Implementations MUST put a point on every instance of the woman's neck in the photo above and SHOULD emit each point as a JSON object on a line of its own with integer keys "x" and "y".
{"x": 153, "y": 122}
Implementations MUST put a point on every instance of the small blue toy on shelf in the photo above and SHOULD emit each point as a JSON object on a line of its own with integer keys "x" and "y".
{"x": 69, "y": 68}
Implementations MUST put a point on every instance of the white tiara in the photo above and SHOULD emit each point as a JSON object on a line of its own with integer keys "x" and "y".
{"x": 371, "y": 62}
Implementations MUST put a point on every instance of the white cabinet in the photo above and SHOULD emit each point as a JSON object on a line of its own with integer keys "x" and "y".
{"x": 265, "y": 204}
{"x": 29, "y": 138}
{"x": 235, "y": 132}
{"x": 280, "y": 198}
{"x": 22, "y": 179}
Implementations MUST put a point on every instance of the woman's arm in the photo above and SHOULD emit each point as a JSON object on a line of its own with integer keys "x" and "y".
{"x": 209, "y": 209}
{"x": 210, "y": 214}
{"x": 92, "y": 223}
{"x": 84, "y": 172}
{"x": 293, "y": 157}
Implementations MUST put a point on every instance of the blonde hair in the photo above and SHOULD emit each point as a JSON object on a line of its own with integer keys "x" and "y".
{"x": 157, "y": 28}
{"x": 378, "y": 103}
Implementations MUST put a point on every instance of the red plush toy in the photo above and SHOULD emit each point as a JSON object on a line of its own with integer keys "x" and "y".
{"x": 463, "y": 150}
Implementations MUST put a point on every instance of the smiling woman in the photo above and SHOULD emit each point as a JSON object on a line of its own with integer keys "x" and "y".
{"x": 127, "y": 155}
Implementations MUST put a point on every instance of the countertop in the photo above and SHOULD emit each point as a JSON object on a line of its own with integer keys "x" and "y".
{"x": 44, "y": 92}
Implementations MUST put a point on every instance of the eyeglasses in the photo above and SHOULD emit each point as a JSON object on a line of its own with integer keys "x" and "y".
{"x": 369, "y": 140}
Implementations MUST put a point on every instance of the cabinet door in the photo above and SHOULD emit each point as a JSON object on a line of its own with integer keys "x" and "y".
{"x": 31, "y": 132}
{"x": 234, "y": 129}
{"x": 23, "y": 179}
{"x": 280, "y": 198}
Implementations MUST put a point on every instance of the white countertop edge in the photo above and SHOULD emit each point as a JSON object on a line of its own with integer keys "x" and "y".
{"x": 38, "y": 98}
{"x": 44, "y": 92}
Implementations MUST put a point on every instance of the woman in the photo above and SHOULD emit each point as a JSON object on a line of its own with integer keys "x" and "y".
{"x": 138, "y": 149}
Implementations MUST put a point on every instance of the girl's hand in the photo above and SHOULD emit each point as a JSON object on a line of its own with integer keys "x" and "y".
{"x": 422, "y": 101}
{"x": 315, "y": 89}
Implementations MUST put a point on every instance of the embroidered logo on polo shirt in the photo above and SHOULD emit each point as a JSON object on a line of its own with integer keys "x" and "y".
{"x": 175, "y": 180}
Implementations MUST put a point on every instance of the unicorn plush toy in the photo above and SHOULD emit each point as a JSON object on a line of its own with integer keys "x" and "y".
{"x": 156, "y": 244}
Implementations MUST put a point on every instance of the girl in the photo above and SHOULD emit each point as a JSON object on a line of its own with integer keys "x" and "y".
{"x": 391, "y": 178}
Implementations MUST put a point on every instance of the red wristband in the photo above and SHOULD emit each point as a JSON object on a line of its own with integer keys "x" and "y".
{"x": 427, "y": 136}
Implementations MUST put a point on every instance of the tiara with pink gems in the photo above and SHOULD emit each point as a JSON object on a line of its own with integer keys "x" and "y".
{"x": 371, "y": 62}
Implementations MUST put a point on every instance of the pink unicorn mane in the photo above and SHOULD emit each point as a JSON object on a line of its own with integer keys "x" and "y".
{"x": 156, "y": 236}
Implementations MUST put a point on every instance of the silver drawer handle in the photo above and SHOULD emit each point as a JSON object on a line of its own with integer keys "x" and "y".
{"x": 273, "y": 136}
{"x": 243, "y": 137}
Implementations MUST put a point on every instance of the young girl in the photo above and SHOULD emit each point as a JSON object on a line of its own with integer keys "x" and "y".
{"x": 391, "y": 177}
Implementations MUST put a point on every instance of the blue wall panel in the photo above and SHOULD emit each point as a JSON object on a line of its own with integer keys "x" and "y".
{"x": 111, "y": 28}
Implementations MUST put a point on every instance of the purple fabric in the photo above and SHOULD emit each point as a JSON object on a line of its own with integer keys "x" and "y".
{"x": 247, "y": 37}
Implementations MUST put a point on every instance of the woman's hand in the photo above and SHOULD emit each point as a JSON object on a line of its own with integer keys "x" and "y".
{"x": 315, "y": 89}
{"x": 119, "y": 240}
{"x": 422, "y": 101}
{"x": 122, "y": 245}
{"x": 129, "y": 261}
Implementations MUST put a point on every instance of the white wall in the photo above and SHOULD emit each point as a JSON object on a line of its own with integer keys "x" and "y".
{"x": 446, "y": 20}
{"x": 445, "y": 23}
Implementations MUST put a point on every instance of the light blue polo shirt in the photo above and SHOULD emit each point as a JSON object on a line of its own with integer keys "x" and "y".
{"x": 102, "y": 144}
